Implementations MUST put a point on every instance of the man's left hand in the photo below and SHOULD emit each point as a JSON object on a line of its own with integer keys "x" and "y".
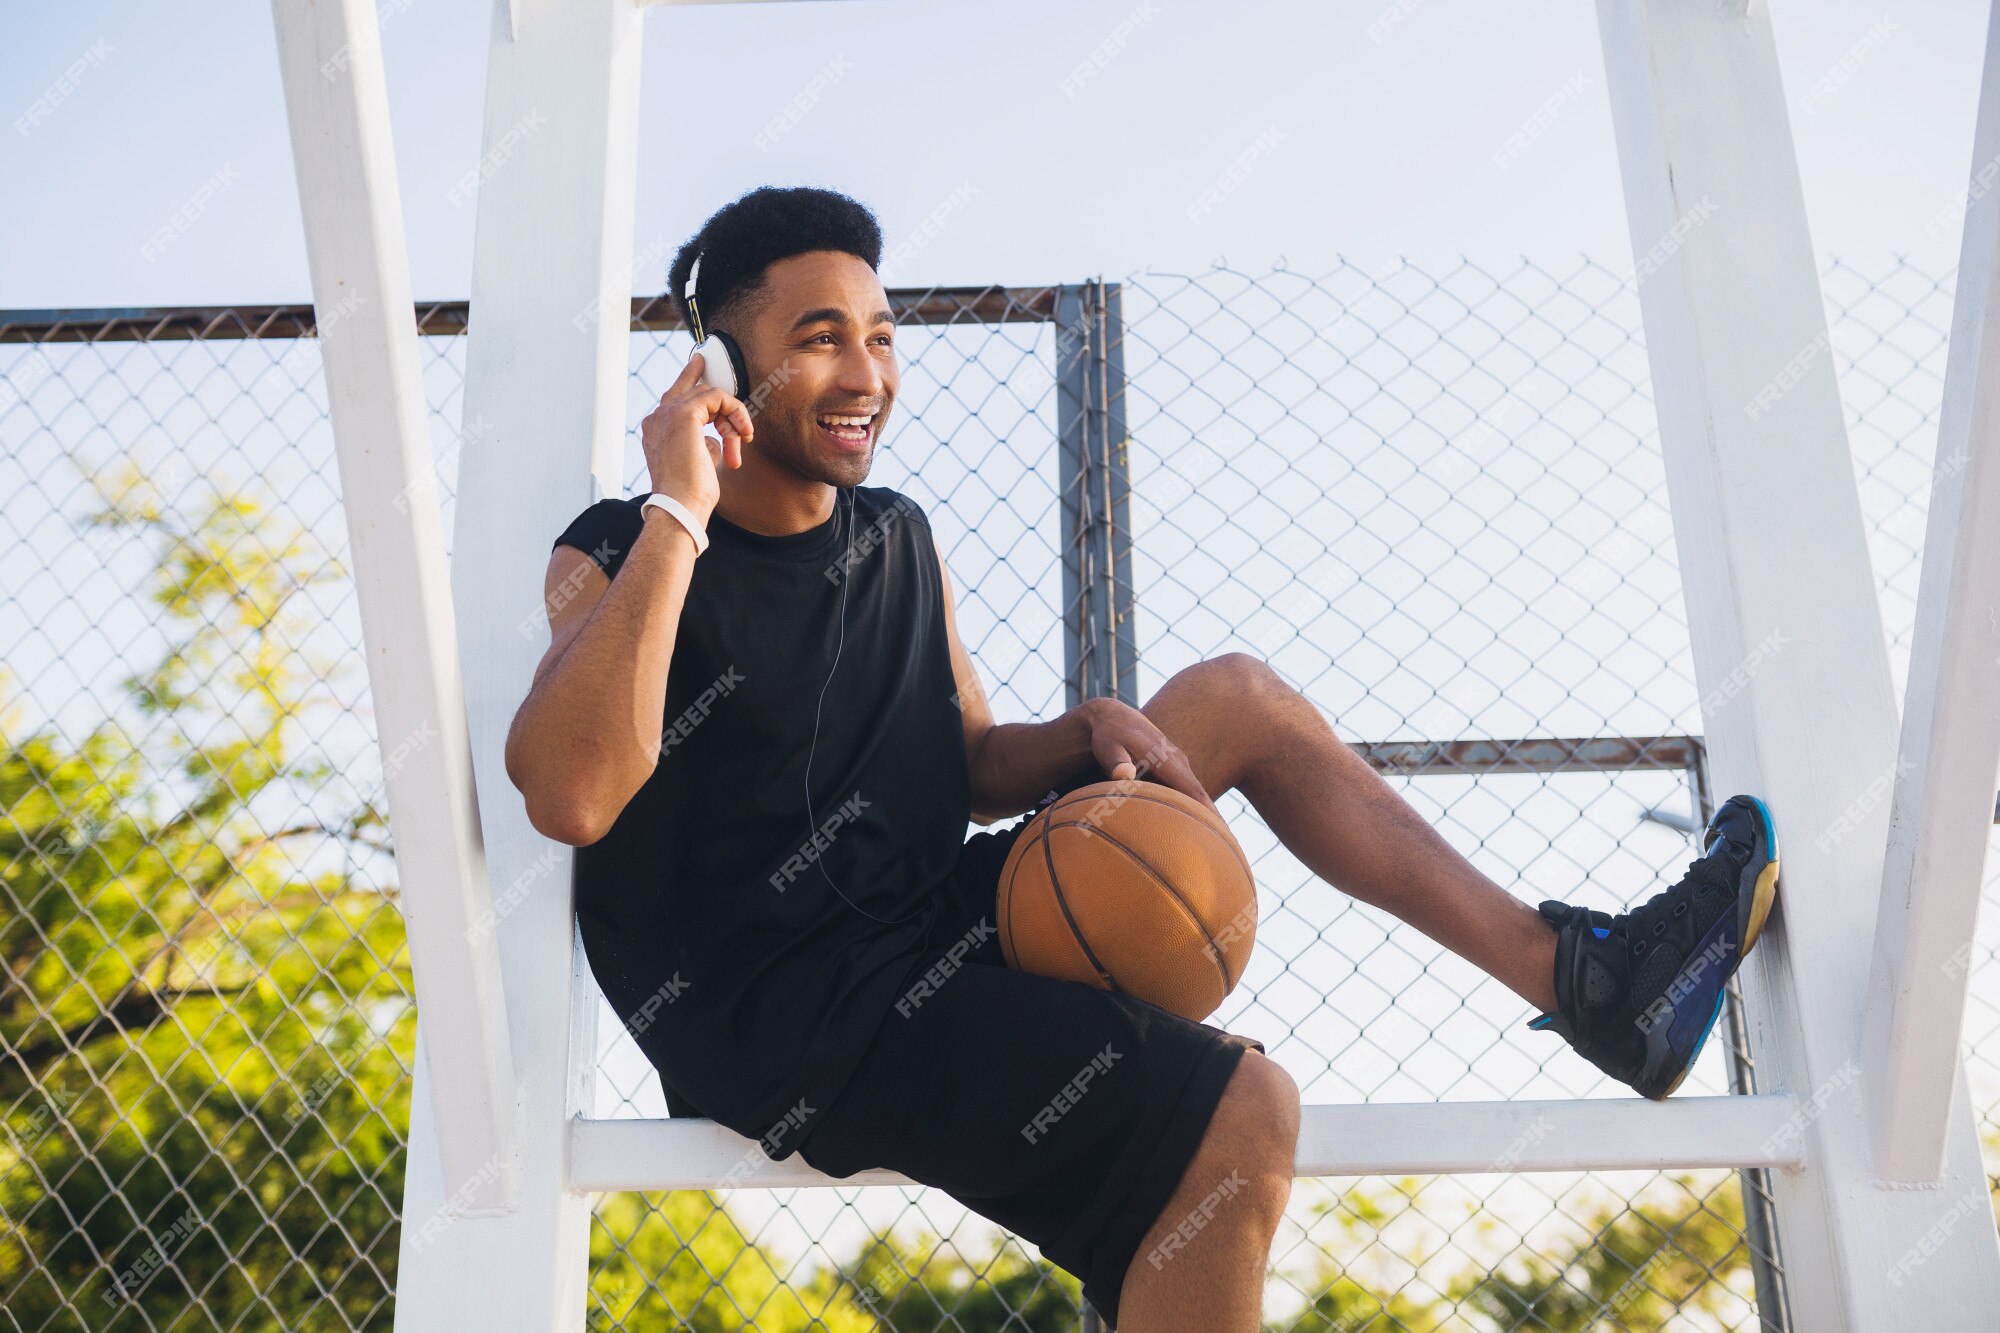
{"x": 1128, "y": 745}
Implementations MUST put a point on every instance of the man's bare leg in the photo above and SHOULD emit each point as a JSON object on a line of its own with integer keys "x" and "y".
{"x": 1201, "y": 1266}
{"x": 1242, "y": 726}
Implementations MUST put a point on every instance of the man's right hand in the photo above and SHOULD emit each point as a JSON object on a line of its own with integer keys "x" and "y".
{"x": 683, "y": 461}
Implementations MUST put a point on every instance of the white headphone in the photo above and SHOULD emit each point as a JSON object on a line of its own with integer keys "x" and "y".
{"x": 722, "y": 364}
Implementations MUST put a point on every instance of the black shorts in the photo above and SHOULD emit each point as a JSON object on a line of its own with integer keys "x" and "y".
{"x": 1064, "y": 1113}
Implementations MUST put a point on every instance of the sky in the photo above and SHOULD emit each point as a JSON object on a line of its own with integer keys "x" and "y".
{"x": 1364, "y": 130}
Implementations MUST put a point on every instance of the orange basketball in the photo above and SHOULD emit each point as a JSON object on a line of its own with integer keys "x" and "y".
{"x": 1131, "y": 886}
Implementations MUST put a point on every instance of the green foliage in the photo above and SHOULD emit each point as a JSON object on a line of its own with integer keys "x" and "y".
{"x": 206, "y": 1023}
{"x": 205, "y": 1041}
{"x": 926, "y": 1286}
{"x": 679, "y": 1261}
{"x": 1637, "y": 1266}
{"x": 1349, "y": 1299}
{"x": 1630, "y": 1265}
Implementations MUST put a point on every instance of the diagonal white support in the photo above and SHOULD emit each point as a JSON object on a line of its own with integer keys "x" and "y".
{"x": 338, "y": 106}
{"x": 545, "y": 405}
{"x": 1366, "y": 1139}
{"x": 1786, "y": 629}
{"x": 1940, "y": 816}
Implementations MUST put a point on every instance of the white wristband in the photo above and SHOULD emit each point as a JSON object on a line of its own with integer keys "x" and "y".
{"x": 661, "y": 500}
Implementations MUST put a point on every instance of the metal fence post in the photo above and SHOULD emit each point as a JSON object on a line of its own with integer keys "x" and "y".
{"x": 1760, "y": 1221}
{"x": 1100, "y": 655}
{"x": 1100, "y": 651}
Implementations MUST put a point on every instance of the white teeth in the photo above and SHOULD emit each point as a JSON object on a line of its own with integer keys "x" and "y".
{"x": 847, "y": 421}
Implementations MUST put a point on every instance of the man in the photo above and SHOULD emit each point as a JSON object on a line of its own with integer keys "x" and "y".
{"x": 757, "y": 723}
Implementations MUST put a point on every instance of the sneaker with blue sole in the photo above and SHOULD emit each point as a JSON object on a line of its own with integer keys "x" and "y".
{"x": 1638, "y": 993}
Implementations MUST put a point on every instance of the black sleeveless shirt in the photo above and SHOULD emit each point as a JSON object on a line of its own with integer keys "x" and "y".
{"x": 706, "y": 912}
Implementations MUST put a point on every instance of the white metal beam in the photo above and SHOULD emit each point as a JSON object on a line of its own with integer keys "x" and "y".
{"x": 1373, "y": 1138}
{"x": 1940, "y": 815}
{"x": 1781, "y": 602}
{"x": 338, "y": 107}
{"x": 545, "y": 386}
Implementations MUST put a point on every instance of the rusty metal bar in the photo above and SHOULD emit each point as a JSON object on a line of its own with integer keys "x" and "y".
{"x": 912, "y": 305}
{"x": 1534, "y": 754}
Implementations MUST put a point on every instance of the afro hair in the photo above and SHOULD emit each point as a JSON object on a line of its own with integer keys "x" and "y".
{"x": 770, "y": 223}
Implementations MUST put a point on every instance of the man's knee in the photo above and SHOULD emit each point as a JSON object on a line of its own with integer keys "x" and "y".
{"x": 1240, "y": 676}
{"x": 1258, "y": 1120}
{"x": 1250, "y": 690}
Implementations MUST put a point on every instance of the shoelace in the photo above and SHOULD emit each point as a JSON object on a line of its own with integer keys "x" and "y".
{"x": 1702, "y": 872}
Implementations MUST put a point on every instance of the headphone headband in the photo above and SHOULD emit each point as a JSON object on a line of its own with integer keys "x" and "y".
{"x": 687, "y": 295}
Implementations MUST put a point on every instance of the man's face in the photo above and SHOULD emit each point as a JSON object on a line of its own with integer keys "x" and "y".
{"x": 820, "y": 345}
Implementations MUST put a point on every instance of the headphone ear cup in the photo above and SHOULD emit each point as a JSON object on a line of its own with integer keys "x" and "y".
{"x": 736, "y": 364}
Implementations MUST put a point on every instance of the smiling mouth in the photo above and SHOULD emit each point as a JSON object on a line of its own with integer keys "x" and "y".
{"x": 852, "y": 431}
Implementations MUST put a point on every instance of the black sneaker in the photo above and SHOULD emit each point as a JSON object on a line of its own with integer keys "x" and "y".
{"x": 1636, "y": 994}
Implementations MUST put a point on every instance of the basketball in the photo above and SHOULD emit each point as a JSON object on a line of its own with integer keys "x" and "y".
{"x": 1131, "y": 886}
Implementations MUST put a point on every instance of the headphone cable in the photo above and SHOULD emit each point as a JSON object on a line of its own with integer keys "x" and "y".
{"x": 812, "y": 828}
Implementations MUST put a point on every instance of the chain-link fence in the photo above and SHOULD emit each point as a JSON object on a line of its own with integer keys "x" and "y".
{"x": 1434, "y": 501}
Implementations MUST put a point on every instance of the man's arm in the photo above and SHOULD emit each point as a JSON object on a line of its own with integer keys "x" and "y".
{"x": 1013, "y": 764}
{"x": 589, "y": 733}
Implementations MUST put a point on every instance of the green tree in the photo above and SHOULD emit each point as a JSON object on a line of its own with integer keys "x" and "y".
{"x": 1639, "y": 1264}
{"x": 928, "y": 1285}
{"x": 1344, "y": 1302}
{"x": 679, "y": 1261}
{"x": 1634, "y": 1265}
{"x": 206, "y": 1023}
{"x": 204, "y": 1039}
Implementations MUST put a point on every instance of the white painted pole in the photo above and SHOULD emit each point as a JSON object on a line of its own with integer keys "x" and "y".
{"x": 1785, "y": 627}
{"x": 338, "y": 105}
{"x": 1940, "y": 818}
{"x": 546, "y": 378}
{"x": 1365, "y": 1139}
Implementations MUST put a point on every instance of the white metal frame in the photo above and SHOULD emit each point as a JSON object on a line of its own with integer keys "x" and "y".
{"x": 1372, "y": 1138}
{"x": 1949, "y": 763}
{"x": 495, "y": 1221}
{"x": 338, "y": 107}
{"x": 1767, "y": 521}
